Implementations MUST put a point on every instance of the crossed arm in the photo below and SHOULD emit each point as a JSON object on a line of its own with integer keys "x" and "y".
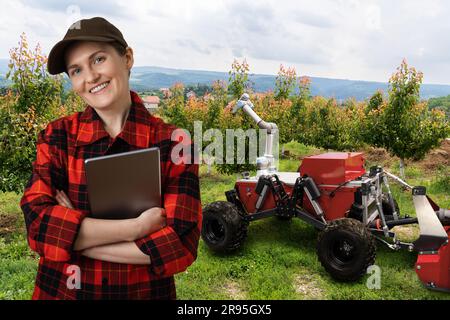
{"x": 113, "y": 240}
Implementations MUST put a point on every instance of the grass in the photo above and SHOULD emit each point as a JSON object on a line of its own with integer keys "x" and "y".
{"x": 277, "y": 261}
{"x": 18, "y": 265}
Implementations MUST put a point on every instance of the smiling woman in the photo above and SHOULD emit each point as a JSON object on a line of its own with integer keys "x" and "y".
{"x": 100, "y": 75}
{"x": 115, "y": 259}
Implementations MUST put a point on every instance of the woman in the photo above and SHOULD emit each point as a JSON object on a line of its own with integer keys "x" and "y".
{"x": 86, "y": 258}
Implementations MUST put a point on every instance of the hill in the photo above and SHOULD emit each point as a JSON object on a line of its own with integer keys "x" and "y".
{"x": 146, "y": 78}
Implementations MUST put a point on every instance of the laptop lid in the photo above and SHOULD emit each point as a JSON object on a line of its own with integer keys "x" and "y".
{"x": 122, "y": 186}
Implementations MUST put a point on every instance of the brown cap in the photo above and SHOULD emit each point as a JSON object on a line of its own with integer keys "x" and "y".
{"x": 94, "y": 29}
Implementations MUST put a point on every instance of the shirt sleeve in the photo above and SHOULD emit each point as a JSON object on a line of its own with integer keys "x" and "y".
{"x": 174, "y": 248}
{"x": 51, "y": 229}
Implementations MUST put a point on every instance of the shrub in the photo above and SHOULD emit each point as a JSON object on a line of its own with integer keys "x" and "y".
{"x": 403, "y": 125}
{"x": 33, "y": 100}
{"x": 238, "y": 82}
{"x": 18, "y": 133}
{"x": 31, "y": 83}
{"x": 285, "y": 82}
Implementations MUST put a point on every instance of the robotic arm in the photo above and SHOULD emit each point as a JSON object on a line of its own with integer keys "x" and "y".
{"x": 266, "y": 163}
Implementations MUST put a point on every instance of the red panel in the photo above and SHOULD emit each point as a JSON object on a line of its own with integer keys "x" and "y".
{"x": 248, "y": 196}
{"x": 333, "y": 167}
{"x": 334, "y": 207}
{"x": 435, "y": 268}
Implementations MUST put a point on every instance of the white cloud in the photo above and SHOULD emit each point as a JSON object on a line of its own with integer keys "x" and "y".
{"x": 373, "y": 17}
{"x": 349, "y": 39}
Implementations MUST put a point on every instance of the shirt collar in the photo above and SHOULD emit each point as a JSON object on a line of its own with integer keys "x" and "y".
{"x": 135, "y": 131}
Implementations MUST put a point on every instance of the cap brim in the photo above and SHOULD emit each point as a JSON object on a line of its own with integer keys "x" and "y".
{"x": 56, "y": 61}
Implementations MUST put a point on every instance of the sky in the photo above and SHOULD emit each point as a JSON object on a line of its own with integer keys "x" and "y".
{"x": 341, "y": 39}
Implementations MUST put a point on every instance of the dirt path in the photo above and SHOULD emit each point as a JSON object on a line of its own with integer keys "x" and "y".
{"x": 434, "y": 160}
{"x": 8, "y": 224}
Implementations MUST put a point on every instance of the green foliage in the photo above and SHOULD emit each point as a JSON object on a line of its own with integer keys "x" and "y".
{"x": 72, "y": 104}
{"x": 285, "y": 82}
{"x": 330, "y": 126}
{"x": 304, "y": 89}
{"x": 441, "y": 183}
{"x": 238, "y": 82}
{"x": 173, "y": 108}
{"x": 403, "y": 125}
{"x": 298, "y": 113}
{"x": 18, "y": 133}
{"x": 375, "y": 102}
{"x": 31, "y": 82}
{"x": 216, "y": 103}
{"x": 442, "y": 103}
{"x": 34, "y": 99}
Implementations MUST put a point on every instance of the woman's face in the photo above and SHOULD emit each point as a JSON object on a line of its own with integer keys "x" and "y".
{"x": 99, "y": 75}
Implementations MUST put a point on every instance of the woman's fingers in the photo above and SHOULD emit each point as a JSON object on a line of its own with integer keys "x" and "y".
{"x": 58, "y": 198}
{"x": 63, "y": 199}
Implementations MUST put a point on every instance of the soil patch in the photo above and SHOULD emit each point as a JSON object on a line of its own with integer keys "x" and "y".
{"x": 308, "y": 287}
{"x": 8, "y": 224}
{"x": 234, "y": 291}
{"x": 437, "y": 158}
{"x": 377, "y": 155}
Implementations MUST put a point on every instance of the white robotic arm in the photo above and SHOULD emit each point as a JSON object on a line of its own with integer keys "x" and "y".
{"x": 265, "y": 164}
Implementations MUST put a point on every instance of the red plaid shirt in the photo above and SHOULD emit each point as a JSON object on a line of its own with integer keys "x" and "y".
{"x": 52, "y": 229}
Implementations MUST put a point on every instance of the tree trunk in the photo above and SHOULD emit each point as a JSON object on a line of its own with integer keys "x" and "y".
{"x": 402, "y": 169}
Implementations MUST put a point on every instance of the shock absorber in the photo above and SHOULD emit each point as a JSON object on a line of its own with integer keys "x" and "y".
{"x": 313, "y": 193}
{"x": 391, "y": 198}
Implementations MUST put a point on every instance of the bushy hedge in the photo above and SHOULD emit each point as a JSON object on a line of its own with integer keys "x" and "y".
{"x": 319, "y": 121}
{"x": 34, "y": 99}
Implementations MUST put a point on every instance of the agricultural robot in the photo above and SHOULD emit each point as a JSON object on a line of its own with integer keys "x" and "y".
{"x": 351, "y": 209}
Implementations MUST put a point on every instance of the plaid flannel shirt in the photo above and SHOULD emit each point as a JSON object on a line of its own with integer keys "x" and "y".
{"x": 52, "y": 229}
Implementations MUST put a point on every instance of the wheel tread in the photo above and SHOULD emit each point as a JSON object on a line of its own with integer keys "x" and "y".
{"x": 354, "y": 226}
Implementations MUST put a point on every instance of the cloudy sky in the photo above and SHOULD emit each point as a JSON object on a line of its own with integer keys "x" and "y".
{"x": 346, "y": 39}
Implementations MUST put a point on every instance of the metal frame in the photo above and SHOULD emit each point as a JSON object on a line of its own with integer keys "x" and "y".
{"x": 371, "y": 186}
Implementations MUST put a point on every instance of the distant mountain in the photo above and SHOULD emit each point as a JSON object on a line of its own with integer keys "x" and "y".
{"x": 147, "y": 78}
{"x": 3, "y": 70}
{"x": 156, "y": 77}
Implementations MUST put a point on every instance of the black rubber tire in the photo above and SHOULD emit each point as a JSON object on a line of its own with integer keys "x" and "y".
{"x": 346, "y": 249}
{"x": 224, "y": 228}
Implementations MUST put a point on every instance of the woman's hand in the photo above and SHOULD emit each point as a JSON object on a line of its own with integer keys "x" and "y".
{"x": 63, "y": 199}
{"x": 149, "y": 221}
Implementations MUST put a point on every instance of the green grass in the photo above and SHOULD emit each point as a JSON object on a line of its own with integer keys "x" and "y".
{"x": 300, "y": 149}
{"x": 277, "y": 261}
{"x": 18, "y": 265}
